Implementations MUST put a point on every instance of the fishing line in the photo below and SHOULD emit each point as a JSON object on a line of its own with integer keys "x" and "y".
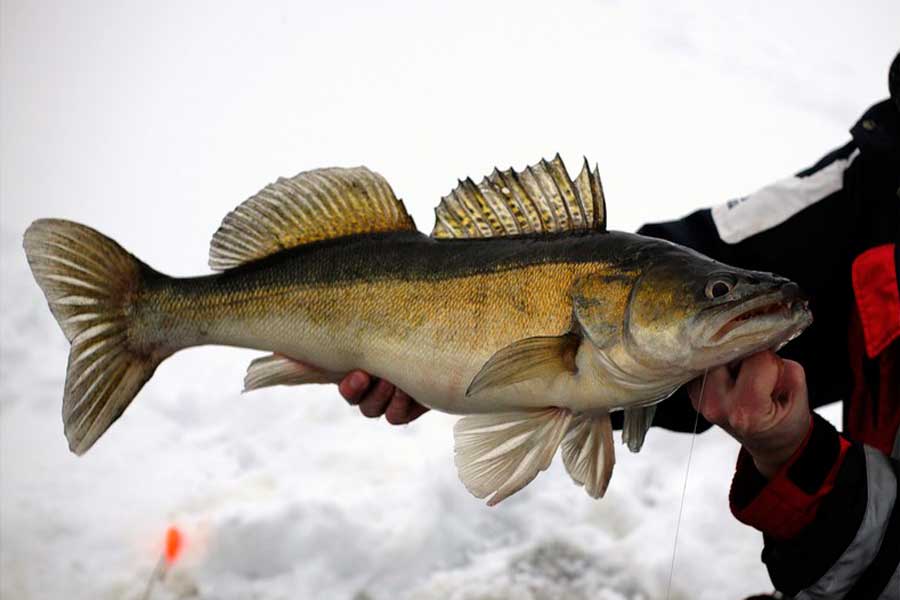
{"x": 157, "y": 573}
{"x": 684, "y": 489}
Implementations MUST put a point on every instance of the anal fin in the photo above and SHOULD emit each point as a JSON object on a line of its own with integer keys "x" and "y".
{"x": 588, "y": 452}
{"x": 637, "y": 422}
{"x": 499, "y": 454}
{"x": 276, "y": 369}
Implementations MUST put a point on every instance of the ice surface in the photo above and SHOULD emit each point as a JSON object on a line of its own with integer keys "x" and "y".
{"x": 151, "y": 121}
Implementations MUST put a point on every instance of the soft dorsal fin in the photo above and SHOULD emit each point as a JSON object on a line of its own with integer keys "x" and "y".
{"x": 541, "y": 198}
{"x": 312, "y": 206}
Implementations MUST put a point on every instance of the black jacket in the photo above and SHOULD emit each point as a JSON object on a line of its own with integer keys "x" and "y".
{"x": 830, "y": 526}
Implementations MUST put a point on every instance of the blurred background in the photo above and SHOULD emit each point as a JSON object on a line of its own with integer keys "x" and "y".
{"x": 151, "y": 120}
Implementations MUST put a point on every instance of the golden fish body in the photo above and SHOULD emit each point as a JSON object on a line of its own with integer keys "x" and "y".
{"x": 425, "y": 314}
{"x": 520, "y": 311}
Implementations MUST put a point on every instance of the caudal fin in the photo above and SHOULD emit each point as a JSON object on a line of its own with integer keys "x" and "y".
{"x": 90, "y": 283}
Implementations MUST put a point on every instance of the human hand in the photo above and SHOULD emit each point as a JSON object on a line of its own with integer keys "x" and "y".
{"x": 764, "y": 406}
{"x": 376, "y": 397}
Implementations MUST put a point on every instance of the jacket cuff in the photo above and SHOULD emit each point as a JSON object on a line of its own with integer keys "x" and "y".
{"x": 782, "y": 506}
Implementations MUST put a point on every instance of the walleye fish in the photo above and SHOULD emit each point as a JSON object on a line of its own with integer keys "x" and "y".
{"x": 520, "y": 312}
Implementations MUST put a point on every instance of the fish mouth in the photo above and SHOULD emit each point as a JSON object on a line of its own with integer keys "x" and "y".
{"x": 771, "y": 309}
{"x": 785, "y": 309}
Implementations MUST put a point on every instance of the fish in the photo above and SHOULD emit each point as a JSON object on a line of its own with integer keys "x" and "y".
{"x": 521, "y": 312}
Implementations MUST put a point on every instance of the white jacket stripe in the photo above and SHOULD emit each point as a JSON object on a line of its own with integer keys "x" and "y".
{"x": 736, "y": 220}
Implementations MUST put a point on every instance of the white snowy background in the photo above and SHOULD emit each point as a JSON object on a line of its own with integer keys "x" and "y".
{"x": 150, "y": 120}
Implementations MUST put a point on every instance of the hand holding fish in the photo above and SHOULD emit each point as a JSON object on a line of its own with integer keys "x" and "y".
{"x": 764, "y": 406}
{"x": 376, "y": 397}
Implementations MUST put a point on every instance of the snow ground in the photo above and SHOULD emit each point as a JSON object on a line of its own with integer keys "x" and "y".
{"x": 151, "y": 121}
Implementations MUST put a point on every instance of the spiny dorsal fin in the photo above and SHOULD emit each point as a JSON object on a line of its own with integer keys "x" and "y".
{"x": 312, "y": 206}
{"x": 541, "y": 198}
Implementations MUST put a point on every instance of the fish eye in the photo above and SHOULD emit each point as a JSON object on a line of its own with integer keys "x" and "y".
{"x": 718, "y": 287}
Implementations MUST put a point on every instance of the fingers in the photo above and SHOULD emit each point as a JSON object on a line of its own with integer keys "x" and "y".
{"x": 718, "y": 383}
{"x": 398, "y": 408}
{"x": 762, "y": 402}
{"x": 716, "y": 394}
{"x": 403, "y": 409}
{"x": 376, "y": 397}
{"x": 759, "y": 375}
{"x": 416, "y": 410}
{"x": 752, "y": 402}
{"x": 791, "y": 383}
{"x": 734, "y": 396}
{"x": 354, "y": 386}
{"x": 772, "y": 437}
{"x": 375, "y": 401}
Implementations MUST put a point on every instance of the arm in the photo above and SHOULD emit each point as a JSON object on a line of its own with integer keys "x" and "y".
{"x": 827, "y": 506}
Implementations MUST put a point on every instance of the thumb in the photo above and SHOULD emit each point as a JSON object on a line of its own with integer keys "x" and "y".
{"x": 758, "y": 380}
{"x": 791, "y": 385}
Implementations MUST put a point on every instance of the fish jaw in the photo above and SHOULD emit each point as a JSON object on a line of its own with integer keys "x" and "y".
{"x": 767, "y": 322}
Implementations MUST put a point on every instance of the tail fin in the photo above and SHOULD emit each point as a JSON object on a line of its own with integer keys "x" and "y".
{"x": 90, "y": 283}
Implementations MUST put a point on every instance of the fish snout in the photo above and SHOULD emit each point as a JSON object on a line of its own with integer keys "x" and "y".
{"x": 795, "y": 302}
{"x": 771, "y": 283}
{"x": 790, "y": 291}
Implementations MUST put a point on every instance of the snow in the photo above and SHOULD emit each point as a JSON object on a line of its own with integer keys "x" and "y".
{"x": 151, "y": 120}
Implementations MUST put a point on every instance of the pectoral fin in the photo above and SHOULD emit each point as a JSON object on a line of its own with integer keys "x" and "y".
{"x": 637, "y": 422}
{"x": 588, "y": 453}
{"x": 531, "y": 358}
{"x": 500, "y": 454}
{"x": 276, "y": 369}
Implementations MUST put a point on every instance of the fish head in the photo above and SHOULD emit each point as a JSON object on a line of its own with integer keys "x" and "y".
{"x": 692, "y": 313}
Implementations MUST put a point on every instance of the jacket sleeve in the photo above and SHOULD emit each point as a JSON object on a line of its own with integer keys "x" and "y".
{"x": 799, "y": 227}
{"x": 829, "y": 518}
